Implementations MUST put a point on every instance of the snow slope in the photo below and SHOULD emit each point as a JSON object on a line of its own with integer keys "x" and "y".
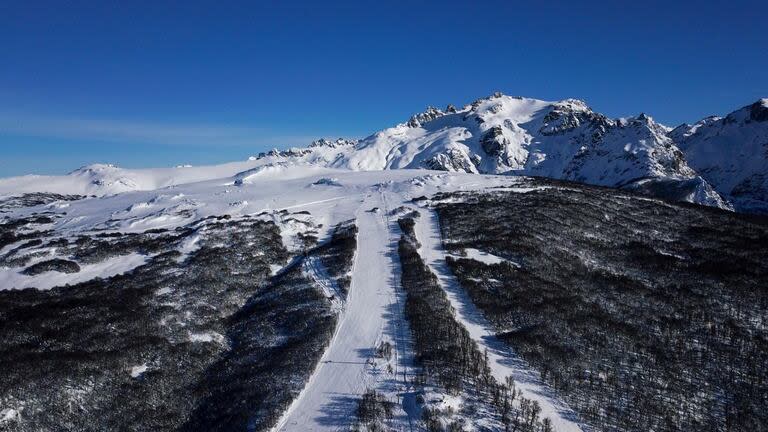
{"x": 731, "y": 153}
{"x": 371, "y": 315}
{"x": 106, "y": 179}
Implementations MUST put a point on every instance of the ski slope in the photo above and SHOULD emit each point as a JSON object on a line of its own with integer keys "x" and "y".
{"x": 371, "y": 315}
{"x": 502, "y": 360}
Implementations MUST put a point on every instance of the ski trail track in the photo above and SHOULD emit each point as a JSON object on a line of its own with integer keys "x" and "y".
{"x": 373, "y": 313}
{"x": 502, "y": 360}
{"x": 315, "y": 270}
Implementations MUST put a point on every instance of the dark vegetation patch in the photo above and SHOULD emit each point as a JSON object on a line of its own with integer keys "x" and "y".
{"x": 15, "y": 230}
{"x": 645, "y": 315}
{"x": 442, "y": 346}
{"x": 373, "y": 412}
{"x": 92, "y": 249}
{"x": 337, "y": 255}
{"x": 59, "y": 265}
{"x": 445, "y": 350}
{"x": 204, "y": 341}
{"x": 34, "y": 199}
{"x": 81, "y": 249}
{"x": 277, "y": 339}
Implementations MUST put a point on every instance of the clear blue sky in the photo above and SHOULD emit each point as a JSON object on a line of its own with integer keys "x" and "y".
{"x": 166, "y": 83}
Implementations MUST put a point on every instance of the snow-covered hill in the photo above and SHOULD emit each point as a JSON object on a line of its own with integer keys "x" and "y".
{"x": 562, "y": 140}
{"x": 717, "y": 162}
{"x": 107, "y": 179}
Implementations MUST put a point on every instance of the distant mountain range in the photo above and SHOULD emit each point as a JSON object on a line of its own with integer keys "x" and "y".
{"x": 719, "y": 161}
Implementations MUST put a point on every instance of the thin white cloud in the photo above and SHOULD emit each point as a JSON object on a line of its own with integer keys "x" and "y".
{"x": 170, "y": 134}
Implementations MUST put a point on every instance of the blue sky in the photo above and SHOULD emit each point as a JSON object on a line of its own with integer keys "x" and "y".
{"x": 167, "y": 83}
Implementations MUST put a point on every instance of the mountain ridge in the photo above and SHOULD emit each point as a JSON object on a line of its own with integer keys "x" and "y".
{"x": 513, "y": 135}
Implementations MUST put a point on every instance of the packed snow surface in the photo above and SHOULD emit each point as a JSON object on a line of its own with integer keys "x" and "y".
{"x": 137, "y": 371}
{"x": 484, "y": 257}
{"x": 348, "y": 366}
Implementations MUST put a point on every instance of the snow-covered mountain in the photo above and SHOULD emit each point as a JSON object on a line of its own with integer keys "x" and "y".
{"x": 731, "y": 153}
{"x": 717, "y": 162}
{"x": 512, "y": 135}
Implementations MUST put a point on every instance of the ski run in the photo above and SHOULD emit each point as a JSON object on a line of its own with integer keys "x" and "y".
{"x": 372, "y": 315}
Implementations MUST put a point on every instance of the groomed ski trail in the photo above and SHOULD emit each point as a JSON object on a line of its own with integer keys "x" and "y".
{"x": 372, "y": 313}
{"x": 502, "y": 360}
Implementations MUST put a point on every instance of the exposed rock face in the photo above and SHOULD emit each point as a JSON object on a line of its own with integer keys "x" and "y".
{"x": 567, "y": 140}
{"x": 337, "y": 143}
{"x": 430, "y": 114}
{"x": 493, "y": 141}
{"x": 453, "y": 160}
{"x": 292, "y": 152}
{"x": 758, "y": 111}
{"x": 570, "y": 114}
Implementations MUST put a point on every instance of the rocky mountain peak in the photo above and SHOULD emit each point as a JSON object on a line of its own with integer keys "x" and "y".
{"x": 338, "y": 142}
{"x": 569, "y": 114}
{"x": 758, "y": 111}
{"x": 419, "y": 119}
